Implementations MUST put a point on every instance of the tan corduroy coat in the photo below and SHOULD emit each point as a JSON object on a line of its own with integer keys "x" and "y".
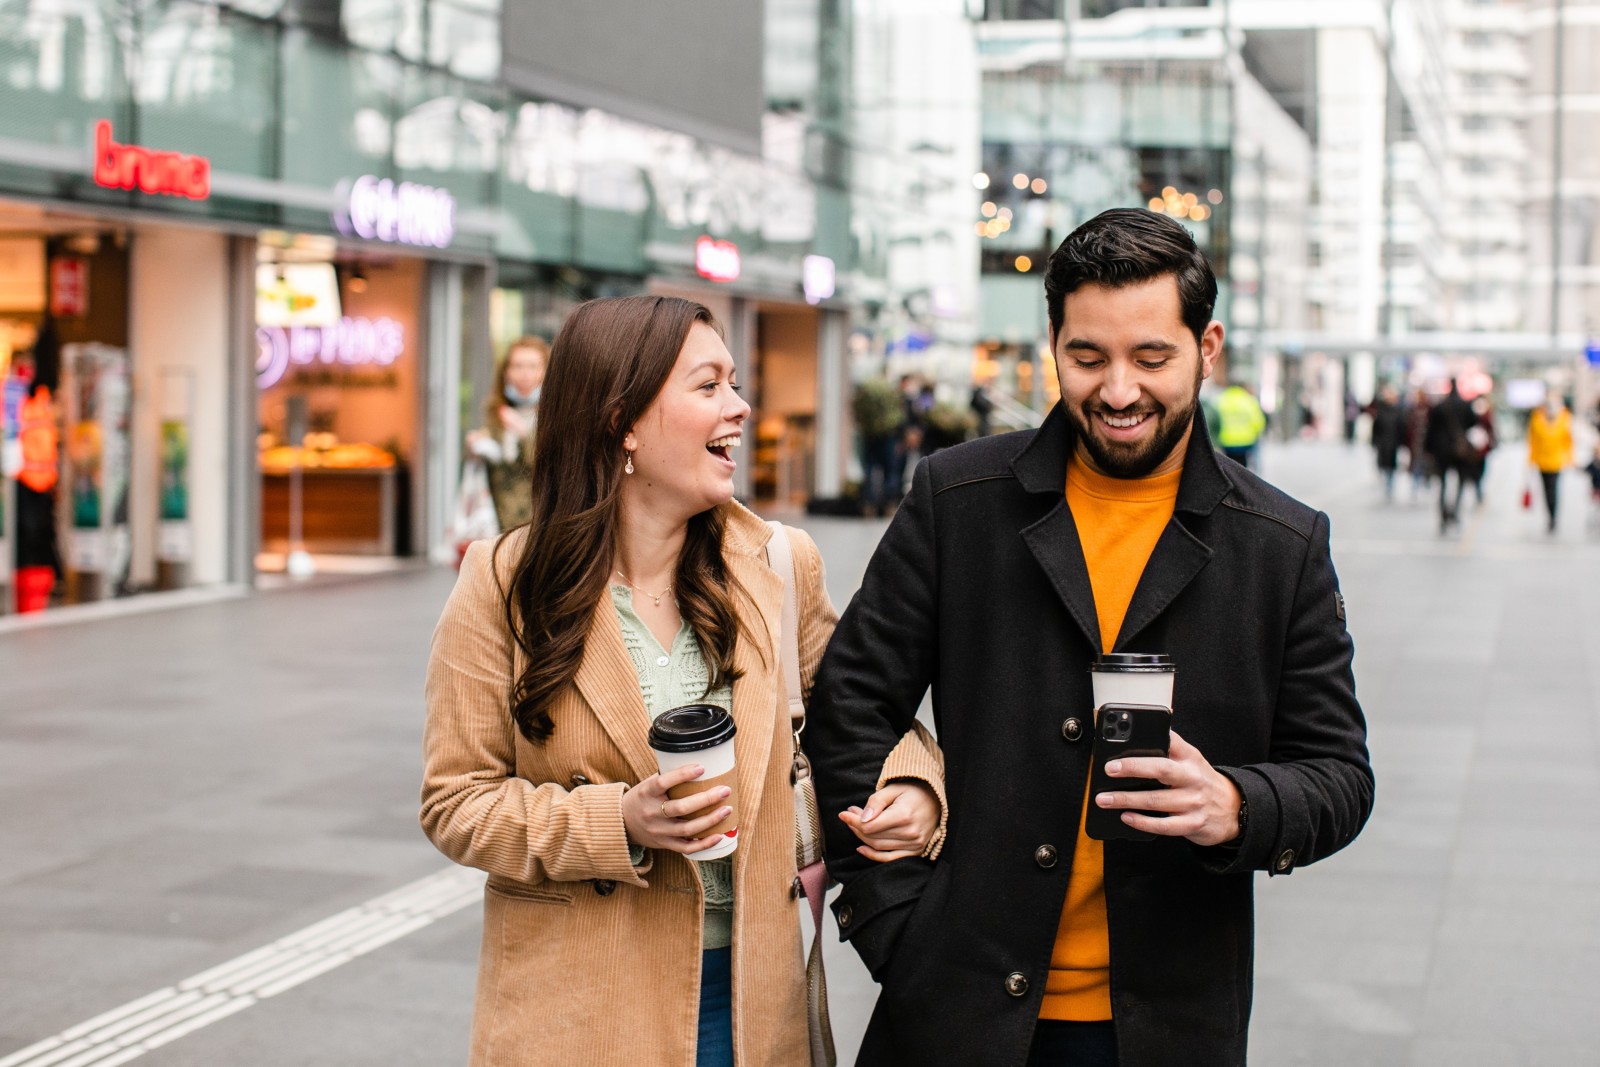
{"x": 587, "y": 960}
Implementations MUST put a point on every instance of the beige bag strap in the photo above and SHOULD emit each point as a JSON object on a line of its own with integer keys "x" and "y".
{"x": 780, "y": 552}
{"x": 813, "y": 878}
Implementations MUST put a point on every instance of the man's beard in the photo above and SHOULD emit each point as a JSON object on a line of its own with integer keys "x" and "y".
{"x": 1140, "y": 458}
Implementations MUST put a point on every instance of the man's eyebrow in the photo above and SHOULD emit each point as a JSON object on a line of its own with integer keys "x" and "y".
{"x": 1082, "y": 344}
{"x": 1155, "y": 346}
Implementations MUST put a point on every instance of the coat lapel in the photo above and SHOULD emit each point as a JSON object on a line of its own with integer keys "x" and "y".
{"x": 610, "y": 686}
{"x": 755, "y": 707}
{"x": 1041, "y": 468}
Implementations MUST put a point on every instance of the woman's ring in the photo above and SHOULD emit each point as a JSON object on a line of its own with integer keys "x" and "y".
{"x": 664, "y": 814}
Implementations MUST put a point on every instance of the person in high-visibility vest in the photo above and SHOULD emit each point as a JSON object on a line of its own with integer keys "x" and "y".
{"x": 1242, "y": 423}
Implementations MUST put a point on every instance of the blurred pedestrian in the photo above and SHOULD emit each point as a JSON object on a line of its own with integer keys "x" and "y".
{"x": 1446, "y": 442}
{"x": 982, "y": 408}
{"x": 1352, "y": 414}
{"x": 879, "y": 418}
{"x": 1022, "y": 945}
{"x": 1550, "y": 448}
{"x": 1388, "y": 433}
{"x": 1593, "y": 470}
{"x": 1420, "y": 463}
{"x": 640, "y": 584}
{"x": 1481, "y": 438}
{"x": 505, "y": 441}
{"x": 1242, "y": 421}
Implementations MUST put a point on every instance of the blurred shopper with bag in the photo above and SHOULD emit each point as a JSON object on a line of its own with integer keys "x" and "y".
{"x": 505, "y": 443}
{"x": 639, "y": 585}
{"x": 1388, "y": 433}
{"x": 1451, "y": 451}
{"x": 1550, "y": 448}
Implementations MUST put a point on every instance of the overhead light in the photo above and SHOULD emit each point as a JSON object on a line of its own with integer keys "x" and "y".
{"x": 1019, "y": 180}
{"x": 358, "y": 279}
{"x": 980, "y": 180}
{"x": 1039, "y": 185}
{"x": 1024, "y": 264}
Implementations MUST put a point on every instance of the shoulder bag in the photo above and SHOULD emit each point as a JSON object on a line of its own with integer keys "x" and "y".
{"x": 807, "y": 818}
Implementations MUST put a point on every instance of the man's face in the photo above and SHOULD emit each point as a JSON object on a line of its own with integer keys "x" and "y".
{"x": 1130, "y": 374}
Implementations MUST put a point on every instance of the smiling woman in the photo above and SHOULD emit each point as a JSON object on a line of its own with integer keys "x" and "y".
{"x": 638, "y": 587}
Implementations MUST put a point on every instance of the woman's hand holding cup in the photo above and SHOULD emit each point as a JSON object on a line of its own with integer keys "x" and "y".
{"x": 898, "y": 822}
{"x": 655, "y": 820}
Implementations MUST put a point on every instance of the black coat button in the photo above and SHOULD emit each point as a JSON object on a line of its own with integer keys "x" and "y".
{"x": 1045, "y": 856}
{"x": 604, "y": 887}
{"x": 578, "y": 779}
{"x": 794, "y": 888}
{"x": 1072, "y": 729}
{"x": 1017, "y": 984}
{"x": 845, "y": 915}
{"x": 1285, "y": 860}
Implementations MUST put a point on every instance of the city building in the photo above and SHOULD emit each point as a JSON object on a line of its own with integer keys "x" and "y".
{"x": 279, "y": 244}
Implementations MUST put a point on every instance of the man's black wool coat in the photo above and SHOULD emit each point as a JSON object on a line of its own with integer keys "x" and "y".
{"x": 979, "y": 589}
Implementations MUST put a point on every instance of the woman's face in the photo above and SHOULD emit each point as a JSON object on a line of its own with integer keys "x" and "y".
{"x": 683, "y": 445}
{"x": 525, "y": 369}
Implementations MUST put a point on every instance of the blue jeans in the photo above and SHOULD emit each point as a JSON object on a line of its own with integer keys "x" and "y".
{"x": 1058, "y": 1044}
{"x": 715, "y": 1048}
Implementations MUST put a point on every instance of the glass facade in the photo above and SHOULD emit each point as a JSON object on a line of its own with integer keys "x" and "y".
{"x": 288, "y": 98}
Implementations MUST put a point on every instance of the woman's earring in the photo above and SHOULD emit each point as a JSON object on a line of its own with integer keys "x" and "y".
{"x": 629, "y": 468}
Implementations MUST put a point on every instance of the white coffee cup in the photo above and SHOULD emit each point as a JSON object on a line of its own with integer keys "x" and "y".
{"x": 1133, "y": 678}
{"x": 700, "y": 734}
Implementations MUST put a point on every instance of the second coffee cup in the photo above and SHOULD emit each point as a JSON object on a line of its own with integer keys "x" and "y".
{"x": 703, "y": 734}
{"x": 1133, "y": 678}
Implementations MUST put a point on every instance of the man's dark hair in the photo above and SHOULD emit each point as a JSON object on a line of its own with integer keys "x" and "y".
{"x": 1126, "y": 246}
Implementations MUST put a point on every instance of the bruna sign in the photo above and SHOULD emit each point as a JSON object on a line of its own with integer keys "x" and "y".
{"x": 717, "y": 260}
{"x": 379, "y": 209}
{"x": 351, "y": 342}
{"x": 126, "y": 166}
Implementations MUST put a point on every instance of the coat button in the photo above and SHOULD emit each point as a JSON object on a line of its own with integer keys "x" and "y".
{"x": 1045, "y": 856}
{"x": 845, "y": 915}
{"x": 578, "y": 779}
{"x": 1072, "y": 729}
{"x": 794, "y": 888}
{"x": 1285, "y": 860}
{"x": 604, "y": 887}
{"x": 1017, "y": 984}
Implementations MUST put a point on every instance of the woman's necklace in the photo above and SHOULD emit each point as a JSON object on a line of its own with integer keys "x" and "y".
{"x": 655, "y": 597}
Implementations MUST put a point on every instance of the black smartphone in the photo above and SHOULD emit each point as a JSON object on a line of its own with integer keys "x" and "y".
{"x": 1124, "y": 730}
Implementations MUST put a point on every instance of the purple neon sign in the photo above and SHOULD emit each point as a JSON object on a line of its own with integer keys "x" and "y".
{"x": 380, "y": 209}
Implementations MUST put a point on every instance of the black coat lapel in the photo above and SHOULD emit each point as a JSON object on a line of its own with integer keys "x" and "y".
{"x": 1041, "y": 468}
{"x": 1178, "y": 556}
{"x": 1053, "y": 540}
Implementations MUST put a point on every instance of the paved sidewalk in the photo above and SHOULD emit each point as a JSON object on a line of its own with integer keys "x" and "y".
{"x": 188, "y": 786}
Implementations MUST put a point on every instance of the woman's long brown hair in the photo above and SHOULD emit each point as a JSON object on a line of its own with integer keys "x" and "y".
{"x": 607, "y": 365}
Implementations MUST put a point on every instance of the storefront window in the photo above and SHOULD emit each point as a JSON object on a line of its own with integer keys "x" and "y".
{"x": 385, "y": 26}
{"x": 61, "y": 68}
{"x": 336, "y": 108}
{"x": 204, "y": 86}
{"x": 464, "y": 39}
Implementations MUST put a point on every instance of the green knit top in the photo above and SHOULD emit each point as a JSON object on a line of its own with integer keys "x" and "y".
{"x": 670, "y": 678}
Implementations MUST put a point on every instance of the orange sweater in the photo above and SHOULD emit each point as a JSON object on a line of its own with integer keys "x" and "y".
{"x": 1119, "y": 522}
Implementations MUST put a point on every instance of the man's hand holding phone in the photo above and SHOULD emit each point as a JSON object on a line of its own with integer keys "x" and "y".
{"x": 1198, "y": 803}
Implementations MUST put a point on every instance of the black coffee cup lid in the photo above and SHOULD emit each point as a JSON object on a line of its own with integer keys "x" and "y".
{"x": 691, "y": 728}
{"x": 1133, "y": 661}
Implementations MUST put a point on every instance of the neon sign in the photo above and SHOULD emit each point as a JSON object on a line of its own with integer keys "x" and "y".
{"x": 350, "y": 342}
{"x": 717, "y": 260}
{"x": 126, "y": 166}
{"x": 409, "y": 214}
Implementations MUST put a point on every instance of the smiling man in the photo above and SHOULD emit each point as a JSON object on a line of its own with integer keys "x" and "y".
{"x": 1015, "y": 562}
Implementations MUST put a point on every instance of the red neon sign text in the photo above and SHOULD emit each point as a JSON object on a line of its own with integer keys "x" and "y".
{"x": 717, "y": 260}
{"x": 126, "y": 166}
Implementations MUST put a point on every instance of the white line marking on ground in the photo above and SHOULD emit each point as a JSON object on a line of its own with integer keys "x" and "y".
{"x": 129, "y": 1031}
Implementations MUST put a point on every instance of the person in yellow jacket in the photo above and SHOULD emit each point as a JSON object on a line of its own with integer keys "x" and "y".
{"x": 1242, "y": 422}
{"x": 1550, "y": 448}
